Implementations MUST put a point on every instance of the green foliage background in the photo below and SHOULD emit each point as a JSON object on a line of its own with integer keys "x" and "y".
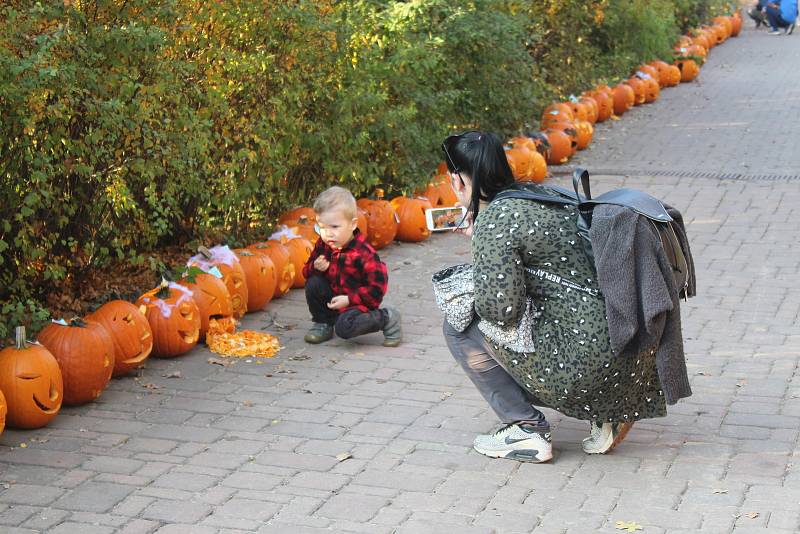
{"x": 126, "y": 125}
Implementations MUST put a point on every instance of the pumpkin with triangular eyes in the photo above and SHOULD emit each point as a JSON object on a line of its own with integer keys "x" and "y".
{"x": 130, "y": 332}
{"x": 31, "y": 381}
{"x": 212, "y": 298}
{"x": 228, "y": 265}
{"x": 300, "y": 250}
{"x": 282, "y": 260}
{"x": 85, "y": 353}
{"x": 174, "y": 319}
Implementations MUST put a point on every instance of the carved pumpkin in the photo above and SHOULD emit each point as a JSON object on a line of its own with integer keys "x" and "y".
{"x": 561, "y": 147}
{"x": 697, "y": 50}
{"x": 228, "y": 264}
{"x": 736, "y": 23}
{"x": 439, "y": 192}
{"x": 130, "y": 333}
{"x": 441, "y": 168}
{"x": 541, "y": 143}
{"x": 559, "y": 107}
{"x": 624, "y": 98}
{"x": 284, "y": 268}
{"x": 299, "y": 251}
{"x": 555, "y": 116}
{"x": 174, "y": 319}
{"x": 362, "y": 225}
{"x": 639, "y": 90}
{"x": 212, "y": 298}
{"x": 605, "y": 105}
{"x": 381, "y": 222}
{"x": 3, "y": 411}
{"x": 647, "y": 69}
{"x": 726, "y": 23}
{"x": 579, "y": 111}
{"x": 31, "y": 382}
{"x": 292, "y": 217}
{"x": 585, "y": 133}
{"x": 519, "y": 159}
{"x": 411, "y": 212}
{"x": 569, "y": 129}
{"x": 593, "y": 109}
{"x": 84, "y": 351}
{"x": 689, "y": 69}
{"x": 259, "y": 271}
{"x": 652, "y": 90}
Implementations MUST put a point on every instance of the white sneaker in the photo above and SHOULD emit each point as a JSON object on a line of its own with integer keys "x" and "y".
{"x": 516, "y": 443}
{"x": 774, "y": 32}
{"x": 604, "y": 438}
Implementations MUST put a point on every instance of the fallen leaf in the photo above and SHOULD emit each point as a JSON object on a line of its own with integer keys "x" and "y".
{"x": 741, "y": 383}
{"x": 300, "y": 357}
{"x": 720, "y": 491}
{"x": 268, "y": 375}
{"x": 23, "y": 445}
{"x": 287, "y": 371}
{"x": 218, "y": 361}
{"x": 173, "y": 374}
{"x": 248, "y": 403}
{"x": 629, "y": 526}
{"x": 150, "y": 385}
{"x": 751, "y": 515}
{"x": 342, "y": 456}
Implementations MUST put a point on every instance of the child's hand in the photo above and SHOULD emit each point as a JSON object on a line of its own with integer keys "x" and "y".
{"x": 338, "y": 302}
{"x": 321, "y": 264}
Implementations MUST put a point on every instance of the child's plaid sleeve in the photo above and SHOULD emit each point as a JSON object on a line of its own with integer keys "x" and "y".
{"x": 319, "y": 249}
{"x": 374, "y": 280}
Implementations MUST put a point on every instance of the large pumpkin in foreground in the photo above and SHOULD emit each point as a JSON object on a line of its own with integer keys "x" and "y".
{"x": 174, "y": 319}
{"x": 259, "y": 271}
{"x": 130, "y": 332}
{"x": 85, "y": 353}
{"x": 411, "y": 213}
{"x": 381, "y": 222}
{"x": 31, "y": 382}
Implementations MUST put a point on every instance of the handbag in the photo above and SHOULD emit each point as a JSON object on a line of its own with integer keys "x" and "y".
{"x": 454, "y": 291}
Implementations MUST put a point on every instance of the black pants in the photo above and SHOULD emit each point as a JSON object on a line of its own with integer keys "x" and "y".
{"x": 346, "y": 325}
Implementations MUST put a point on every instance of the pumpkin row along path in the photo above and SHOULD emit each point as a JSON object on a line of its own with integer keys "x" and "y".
{"x": 355, "y": 437}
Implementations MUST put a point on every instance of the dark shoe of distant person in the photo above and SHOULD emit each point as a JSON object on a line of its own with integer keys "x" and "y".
{"x": 789, "y": 29}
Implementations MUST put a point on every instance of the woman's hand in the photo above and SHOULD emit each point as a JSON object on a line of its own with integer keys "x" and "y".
{"x": 339, "y": 302}
{"x": 321, "y": 264}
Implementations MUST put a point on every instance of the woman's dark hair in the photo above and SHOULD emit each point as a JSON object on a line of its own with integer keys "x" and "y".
{"x": 482, "y": 157}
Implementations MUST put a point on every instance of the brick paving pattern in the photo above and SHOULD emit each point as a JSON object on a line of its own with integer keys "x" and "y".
{"x": 355, "y": 437}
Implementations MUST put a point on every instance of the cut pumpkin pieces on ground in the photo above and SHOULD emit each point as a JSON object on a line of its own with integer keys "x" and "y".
{"x": 222, "y": 339}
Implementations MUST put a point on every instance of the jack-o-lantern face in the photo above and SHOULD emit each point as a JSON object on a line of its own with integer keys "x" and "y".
{"x": 130, "y": 332}
{"x": 411, "y": 212}
{"x": 381, "y": 221}
{"x": 85, "y": 353}
{"x": 174, "y": 319}
{"x": 300, "y": 250}
{"x": 281, "y": 259}
{"x": 228, "y": 265}
{"x": 212, "y": 298}
{"x": 31, "y": 381}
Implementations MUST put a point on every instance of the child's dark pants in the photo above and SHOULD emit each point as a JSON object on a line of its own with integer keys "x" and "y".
{"x": 346, "y": 325}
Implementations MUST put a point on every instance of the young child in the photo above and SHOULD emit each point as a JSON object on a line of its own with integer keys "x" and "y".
{"x": 345, "y": 279}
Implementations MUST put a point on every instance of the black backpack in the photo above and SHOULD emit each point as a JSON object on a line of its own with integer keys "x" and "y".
{"x": 639, "y": 201}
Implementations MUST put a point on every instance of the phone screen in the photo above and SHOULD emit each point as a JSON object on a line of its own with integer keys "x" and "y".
{"x": 440, "y": 219}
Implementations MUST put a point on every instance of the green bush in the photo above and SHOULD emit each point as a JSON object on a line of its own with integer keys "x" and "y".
{"x": 131, "y": 125}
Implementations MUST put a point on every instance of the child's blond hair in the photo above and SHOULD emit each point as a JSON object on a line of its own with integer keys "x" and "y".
{"x": 336, "y": 198}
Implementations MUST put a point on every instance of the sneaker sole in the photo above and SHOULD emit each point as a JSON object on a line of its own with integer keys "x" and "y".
{"x": 521, "y": 455}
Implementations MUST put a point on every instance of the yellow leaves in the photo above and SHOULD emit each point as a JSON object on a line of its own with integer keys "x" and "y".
{"x": 628, "y": 526}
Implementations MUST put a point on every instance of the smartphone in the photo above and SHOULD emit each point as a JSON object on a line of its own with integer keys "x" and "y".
{"x": 441, "y": 219}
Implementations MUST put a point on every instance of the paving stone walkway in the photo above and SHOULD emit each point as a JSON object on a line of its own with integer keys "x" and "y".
{"x": 355, "y": 437}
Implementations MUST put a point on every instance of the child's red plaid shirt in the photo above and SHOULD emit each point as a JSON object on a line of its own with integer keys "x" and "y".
{"x": 355, "y": 271}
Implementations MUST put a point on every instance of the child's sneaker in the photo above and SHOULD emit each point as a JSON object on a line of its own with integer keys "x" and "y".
{"x": 393, "y": 331}
{"x": 603, "y": 438}
{"x": 790, "y": 29}
{"x": 319, "y": 333}
{"x": 774, "y": 32}
{"x": 524, "y": 443}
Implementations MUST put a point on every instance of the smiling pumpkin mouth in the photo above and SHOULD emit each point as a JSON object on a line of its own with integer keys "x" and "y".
{"x": 43, "y": 407}
{"x": 189, "y": 337}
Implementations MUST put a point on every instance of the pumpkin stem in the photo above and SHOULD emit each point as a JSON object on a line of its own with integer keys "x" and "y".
{"x": 204, "y": 252}
{"x": 20, "y": 337}
{"x": 77, "y": 321}
{"x": 379, "y": 193}
{"x": 163, "y": 291}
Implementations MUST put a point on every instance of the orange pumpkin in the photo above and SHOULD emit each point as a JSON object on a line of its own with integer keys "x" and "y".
{"x": 174, "y": 319}
{"x": 439, "y": 192}
{"x": 441, "y": 168}
{"x": 284, "y": 268}
{"x": 579, "y": 110}
{"x": 605, "y": 105}
{"x": 259, "y": 271}
{"x": 726, "y": 23}
{"x": 130, "y": 332}
{"x": 592, "y": 107}
{"x": 31, "y": 382}
{"x": 212, "y": 298}
{"x": 299, "y": 251}
{"x": 3, "y": 411}
{"x": 291, "y": 217}
{"x": 652, "y": 89}
{"x": 672, "y": 75}
{"x": 84, "y": 351}
{"x": 569, "y": 129}
{"x": 736, "y": 23}
{"x": 555, "y": 116}
{"x": 559, "y": 107}
{"x": 411, "y": 212}
{"x": 228, "y": 265}
{"x": 639, "y": 90}
{"x": 540, "y": 142}
{"x": 519, "y": 159}
{"x": 689, "y": 69}
{"x": 561, "y": 147}
{"x": 661, "y": 68}
{"x": 624, "y": 98}
{"x": 585, "y": 133}
{"x": 647, "y": 69}
{"x": 381, "y": 222}
{"x": 362, "y": 221}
